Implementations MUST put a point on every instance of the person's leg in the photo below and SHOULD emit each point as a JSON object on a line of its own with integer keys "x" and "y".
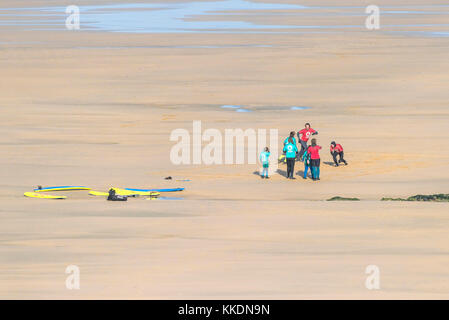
{"x": 288, "y": 168}
{"x": 292, "y": 172}
{"x": 312, "y": 168}
{"x": 303, "y": 148}
{"x": 342, "y": 158}
{"x": 266, "y": 171}
{"x": 317, "y": 175}
{"x": 314, "y": 165}
{"x": 334, "y": 155}
{"x": 306, "y": 168}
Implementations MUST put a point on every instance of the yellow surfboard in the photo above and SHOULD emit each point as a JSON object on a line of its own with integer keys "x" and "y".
{"x": 98, "y": 193}
{"x": 42, "y": 196}
{"x": 66, "y": 188}
{"x": 282, "y": 158}
{"x": 123, "y": 192}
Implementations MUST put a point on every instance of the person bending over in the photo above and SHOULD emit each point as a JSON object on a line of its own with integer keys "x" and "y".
{"x": 337, "y": 150}
{"x": 291, "y": 151}
{"x": 303, "y": 137}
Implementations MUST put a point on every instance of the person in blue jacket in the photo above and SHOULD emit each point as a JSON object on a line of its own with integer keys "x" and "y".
{"x": 265, "y": 159}
{"x": 282, "y": 158}
{"x": 292, "y": 135}
{"x": 306, "y": 159}
{"x": 290, "y": 150}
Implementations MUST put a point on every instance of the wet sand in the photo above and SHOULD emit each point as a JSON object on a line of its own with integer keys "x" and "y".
{"x": 97, "y": 109}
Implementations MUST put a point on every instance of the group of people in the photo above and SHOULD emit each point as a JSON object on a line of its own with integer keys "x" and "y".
{"x": 308, "y": 154}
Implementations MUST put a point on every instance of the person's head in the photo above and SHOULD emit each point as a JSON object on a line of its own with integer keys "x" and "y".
{"x": 290, "y": 140}
{"x": 333, "y": 143}
{"x": 307, "y": 125}
{"x": 313, "y": 142}
{"x": 266, "y": 149}
{"x": 292, "y": 134}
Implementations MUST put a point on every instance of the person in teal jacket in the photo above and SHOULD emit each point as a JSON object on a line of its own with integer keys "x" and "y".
{"x": 306, "y": 159}
{"x": 290, "y": 150}
{"x": 265, "y": 159}
{"x": 292, "y": 135}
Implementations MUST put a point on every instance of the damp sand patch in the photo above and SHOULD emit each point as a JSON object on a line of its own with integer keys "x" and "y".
{"x": 219, "y": 17}
{"x": 166, "y": 198}
{"x": 280, "y": 108}
{"x": 235, "y": 108}
{"x": 299, "y": 108}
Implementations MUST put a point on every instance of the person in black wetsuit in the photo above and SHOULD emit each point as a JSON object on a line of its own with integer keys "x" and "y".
{"x": 113, "y": 197}
{"x": 291, "y": 150}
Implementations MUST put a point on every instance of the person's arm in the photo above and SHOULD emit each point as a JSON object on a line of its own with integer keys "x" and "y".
{"x": 314, "y": 133}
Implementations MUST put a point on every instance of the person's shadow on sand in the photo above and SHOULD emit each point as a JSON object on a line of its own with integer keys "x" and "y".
{"x": 329, "y": 163}
{"x": 301, "y": 173}
{"x": 282, "y": 172}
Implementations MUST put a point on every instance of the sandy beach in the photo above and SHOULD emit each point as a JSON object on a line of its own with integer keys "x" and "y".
{"x": 97, "y": 108}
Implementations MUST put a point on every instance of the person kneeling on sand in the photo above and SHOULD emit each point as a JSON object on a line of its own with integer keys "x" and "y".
{"x": 291, "y": 151}
{"x": 113, "y": 197}
{"x": 265, "y": 159}
{"x": 314, "y": 151}
{"x": 337, "y": 150}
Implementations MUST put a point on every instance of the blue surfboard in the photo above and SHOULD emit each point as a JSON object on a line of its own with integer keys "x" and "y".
{"x": 63, "y": 188}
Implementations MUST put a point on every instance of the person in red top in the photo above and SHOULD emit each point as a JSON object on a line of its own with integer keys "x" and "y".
{"x": 303, "y": 137}
{"x": 315, "y": 161}
{"x": 337, "y": 150}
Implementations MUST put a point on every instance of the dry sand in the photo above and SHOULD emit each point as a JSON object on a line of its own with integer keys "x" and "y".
{"x": 97, "y": 109}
